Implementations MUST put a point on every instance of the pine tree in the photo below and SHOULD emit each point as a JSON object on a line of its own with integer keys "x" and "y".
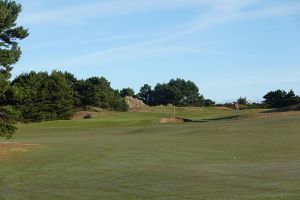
{"x": 10, "y": 53}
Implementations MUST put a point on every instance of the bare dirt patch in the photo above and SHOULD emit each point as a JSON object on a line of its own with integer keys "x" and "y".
{"x": 10, "y": 149}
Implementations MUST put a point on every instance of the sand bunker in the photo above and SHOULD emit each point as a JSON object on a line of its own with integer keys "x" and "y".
{"x": 83, "y": 115}
{"x": 166, "y": 120}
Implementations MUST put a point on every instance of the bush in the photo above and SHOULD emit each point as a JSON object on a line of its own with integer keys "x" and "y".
{"x": 7, "y": 129}
{"x": 120, "y": 105}
{"x": 7, "y": 126}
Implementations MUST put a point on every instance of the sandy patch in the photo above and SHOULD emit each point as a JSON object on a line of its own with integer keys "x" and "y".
{"x": 166, "y": 120}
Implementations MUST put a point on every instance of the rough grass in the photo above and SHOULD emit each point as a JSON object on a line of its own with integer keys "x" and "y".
{"x": 224, "y": 154}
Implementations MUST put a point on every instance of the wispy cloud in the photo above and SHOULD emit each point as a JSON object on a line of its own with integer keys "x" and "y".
{"x": 89, "y": 9}
{"x": 218, "y": 12}
{"x": 221, "y": 12}
{"x": 126, "y": 53}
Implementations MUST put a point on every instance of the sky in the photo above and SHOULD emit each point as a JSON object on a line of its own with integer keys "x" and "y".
{"x": 229, "y": 48}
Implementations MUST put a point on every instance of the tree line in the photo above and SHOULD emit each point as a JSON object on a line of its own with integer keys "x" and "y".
{"x": 178, "y": 92}
{"x": 273, "y": 99}
{"x": 182, "y": 93}
{"x": 40, "y": 96}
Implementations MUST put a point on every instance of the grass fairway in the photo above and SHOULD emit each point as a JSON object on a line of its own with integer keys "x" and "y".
{"x": 221, "y": 155}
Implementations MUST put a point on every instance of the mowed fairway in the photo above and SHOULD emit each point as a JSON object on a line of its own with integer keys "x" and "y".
{"x": 221, "y": 155}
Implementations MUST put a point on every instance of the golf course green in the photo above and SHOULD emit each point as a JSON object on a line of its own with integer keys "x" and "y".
{"x": 222, "y": 154}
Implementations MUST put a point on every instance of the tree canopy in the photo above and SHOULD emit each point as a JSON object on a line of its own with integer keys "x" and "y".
{"x": 145, "y": 94}
{"x": 127, "y": 92}
{"x": 242, "y": 101}
{"x": 10, "y": 33}
{"x": 96, "y": 91}
{"x": 177, "y": 92}
{"x": 281, "y": 98}
{"x": 40, "y": 96}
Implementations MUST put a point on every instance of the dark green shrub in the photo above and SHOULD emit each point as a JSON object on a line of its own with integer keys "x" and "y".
{"x": 7, "y": 126}
{"x": 120, "y": 105}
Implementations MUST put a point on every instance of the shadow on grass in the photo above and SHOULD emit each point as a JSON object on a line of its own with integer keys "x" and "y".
{"x": 284, "y": 109}
{"x": 213, "y": 119}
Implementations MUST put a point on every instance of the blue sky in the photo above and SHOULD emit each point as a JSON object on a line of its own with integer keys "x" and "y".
{"x": 229, "y": 48}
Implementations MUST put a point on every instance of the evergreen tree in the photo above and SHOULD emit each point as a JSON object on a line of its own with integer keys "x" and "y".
{"x": 145, "y": 94}
{"x": 42, "y": 97}
{"x": 96, "y": 91}
{"x": 281, "y": 98}
{"x": 177, "y": 92}
{"x": 10, "y": 53}
{"x": 209, "y": 102}
{"x": 127, "y": 92}
{"x": 242, "y": 101}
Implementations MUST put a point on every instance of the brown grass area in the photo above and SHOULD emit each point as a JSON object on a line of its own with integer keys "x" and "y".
{"x": 10, "y": 149}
